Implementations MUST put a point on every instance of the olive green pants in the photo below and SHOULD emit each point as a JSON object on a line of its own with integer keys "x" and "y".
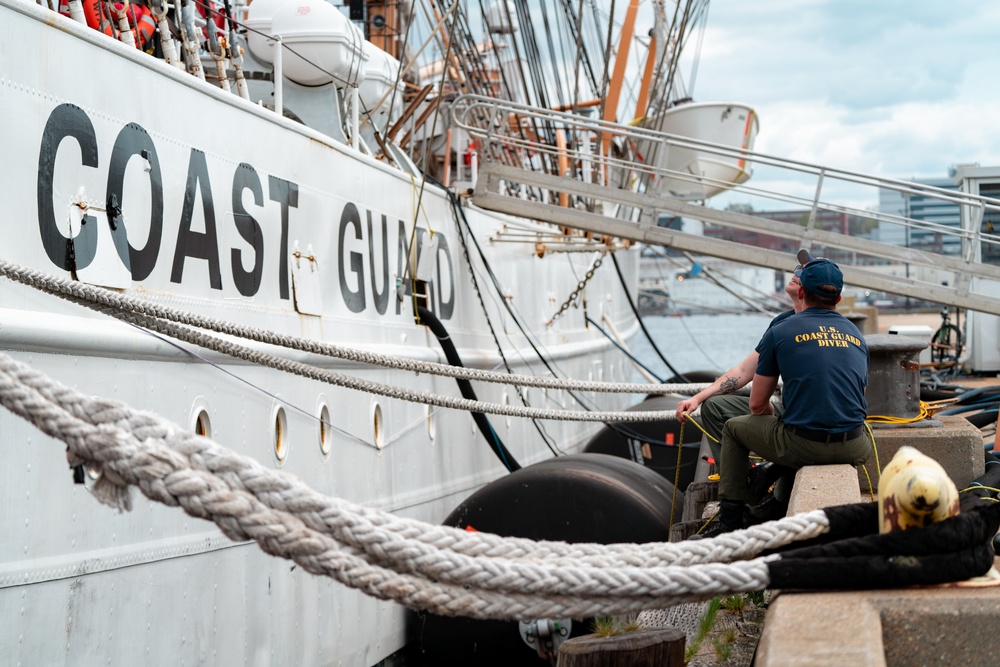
{"x": 769, "y": 438}
{"x": 717, "y": 410}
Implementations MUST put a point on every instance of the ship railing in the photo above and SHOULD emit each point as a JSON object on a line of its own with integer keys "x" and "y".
{"x": 536, "y": 174}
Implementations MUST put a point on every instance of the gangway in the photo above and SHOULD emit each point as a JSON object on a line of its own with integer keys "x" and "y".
{"x": 541, "y": 164}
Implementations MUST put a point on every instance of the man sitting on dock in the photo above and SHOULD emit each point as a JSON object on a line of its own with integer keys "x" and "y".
{"x": 822, "y": 360}
{"x": 719, "y": 402}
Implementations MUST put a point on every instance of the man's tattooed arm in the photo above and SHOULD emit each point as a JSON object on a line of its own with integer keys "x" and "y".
{"x": 728, "y": 385}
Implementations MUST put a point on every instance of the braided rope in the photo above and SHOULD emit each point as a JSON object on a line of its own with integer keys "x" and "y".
{"x": 289, "y": 520}
{"x": 369, "y": 386}
{"x": 107, "y": 301}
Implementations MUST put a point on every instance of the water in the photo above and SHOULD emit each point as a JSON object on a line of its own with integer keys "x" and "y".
{"x": 698, "y": 342}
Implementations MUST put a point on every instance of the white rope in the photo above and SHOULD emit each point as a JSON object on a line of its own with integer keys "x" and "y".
{"x": 108, "y": 301}
{"x": 331, "y": 537}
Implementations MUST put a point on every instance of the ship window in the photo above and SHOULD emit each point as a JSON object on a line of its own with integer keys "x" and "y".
{"x": 280, "y": 435}
{"x": 203, "y": 424}
{"x": 377, "y": 426}
{"x": 325, "y": 435}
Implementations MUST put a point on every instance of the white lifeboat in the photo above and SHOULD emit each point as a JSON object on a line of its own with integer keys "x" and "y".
{"x": 693, "y": 174}
{"x": 323, "y": 45}
{"x": 258, "y": 23}
{"x": 381, "y": 73}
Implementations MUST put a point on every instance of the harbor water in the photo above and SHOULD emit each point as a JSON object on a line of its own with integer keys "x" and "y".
{"x": 713, "y": 342}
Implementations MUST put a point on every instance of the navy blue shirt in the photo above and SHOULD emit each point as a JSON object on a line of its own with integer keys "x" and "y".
{"x": 822, "y": 359}
{"x": 781, "y": 317}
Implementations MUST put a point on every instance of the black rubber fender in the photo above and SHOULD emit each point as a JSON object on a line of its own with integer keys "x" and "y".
{"x": 577, "y": 498}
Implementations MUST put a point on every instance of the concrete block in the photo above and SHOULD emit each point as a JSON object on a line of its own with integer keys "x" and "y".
{"x": 956, "y": 444}
{"x": 818, "y": 630}
{"x": 817, "y": 487}
{"x": 934, "y": 625}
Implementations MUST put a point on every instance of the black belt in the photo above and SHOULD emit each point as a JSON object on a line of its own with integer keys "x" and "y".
{"x": 826, "y": 436}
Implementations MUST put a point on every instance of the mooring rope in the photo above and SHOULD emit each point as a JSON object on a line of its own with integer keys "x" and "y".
{"x": 475, "y": 575}
{"x": 109, "y": 302}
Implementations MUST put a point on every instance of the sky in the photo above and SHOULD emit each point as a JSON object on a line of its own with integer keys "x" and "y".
{"x": 897, "y": 89}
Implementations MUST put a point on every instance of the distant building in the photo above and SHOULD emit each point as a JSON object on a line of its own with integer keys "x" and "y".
{"x": 829, "y": 221}
{"x": 937, "y": 213}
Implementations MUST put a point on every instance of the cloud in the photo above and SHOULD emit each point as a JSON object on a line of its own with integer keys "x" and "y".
{"x": 897, "y": 89}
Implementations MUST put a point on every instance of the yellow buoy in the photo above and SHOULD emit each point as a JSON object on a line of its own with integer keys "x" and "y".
{"x": 914, "y": 491}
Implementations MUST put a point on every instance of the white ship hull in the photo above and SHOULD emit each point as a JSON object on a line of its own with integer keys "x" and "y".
{"x": 216, "y": 194}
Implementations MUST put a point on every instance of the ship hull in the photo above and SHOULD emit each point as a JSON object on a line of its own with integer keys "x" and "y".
{"x": 215, "y": 196}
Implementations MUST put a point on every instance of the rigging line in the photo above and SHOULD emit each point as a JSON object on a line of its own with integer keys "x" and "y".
{"x": 614, "y": 426}
{"x": 578, "y": 40}
{"x": 401, "y": 53}
{"x": 753, "y": 303}
{"x": 628, "y": 354}
{"x": 694, "y": 341}
{"x": 517, "y": 55}
{"x": 504, "y": 84}
{"x": 556, "y": 78}
{"x": 410, "y": 250}
{"x": 697, "y": 50}
{"x": 456, "y": 204}
{"x": 507, "y": 306}
{"x": 662, "y": 79}
{"x": 642, "y": 325}
{"x": 219, "y": 367}
{"x": 582, "y": 57}
{"x": 605, "y": 81}
{"x": 534, "y": 62}
{"x": 292, "y": 406}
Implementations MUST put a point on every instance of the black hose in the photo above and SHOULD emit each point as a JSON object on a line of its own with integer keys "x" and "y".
{"x": 434, "y": 324}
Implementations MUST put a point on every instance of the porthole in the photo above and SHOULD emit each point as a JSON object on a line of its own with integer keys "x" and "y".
{"x": 203, "y": 425}
{"x": 279, "y": 434}
{"x": 200, "y": 421}
{"x": 378, "y": 428}
{"x": 325, "y": 431}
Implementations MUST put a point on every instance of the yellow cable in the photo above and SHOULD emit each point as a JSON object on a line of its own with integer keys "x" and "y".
{"x": 677, "y": 474}
{"x": 978, "y": 486}
{"x": 700, "y": 428}
{"x": 871, "y": 490}
{"x": 886, "y": 419}
{"x": 871, "y": 435}
{"x": 705, "y": 525}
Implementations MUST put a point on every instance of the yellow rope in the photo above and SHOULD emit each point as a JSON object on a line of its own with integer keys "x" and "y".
{"x": 705, "y": 525}
{"x": 979, "y": 486}
{"x": 871, "y": 489}
{"x": 871, "y": 436}
{"x": 868, "y": 428}
{"x": 692, "y": 420}
{"x": 886, "y": 419}
{"x": 677, "y": 474}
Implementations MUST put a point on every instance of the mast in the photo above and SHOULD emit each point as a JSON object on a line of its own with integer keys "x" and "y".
{"x": 618, "y": 76}
{"x": 647, "y": 80}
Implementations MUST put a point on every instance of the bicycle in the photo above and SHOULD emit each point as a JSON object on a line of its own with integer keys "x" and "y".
{"x": 946, "y": 343}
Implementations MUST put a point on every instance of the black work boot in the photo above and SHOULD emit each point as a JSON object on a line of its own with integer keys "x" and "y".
{"x": 730, "y": 518}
